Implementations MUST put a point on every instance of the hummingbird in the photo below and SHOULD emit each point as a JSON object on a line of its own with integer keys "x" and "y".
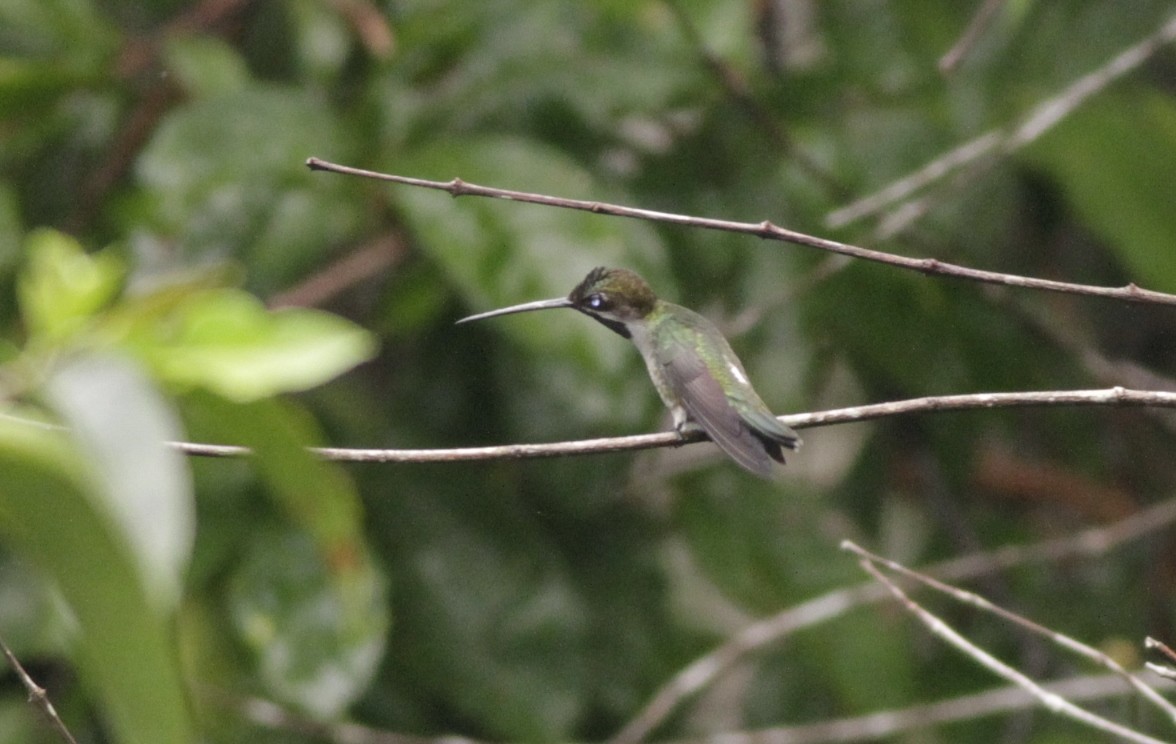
{"x": 696, "y": 373}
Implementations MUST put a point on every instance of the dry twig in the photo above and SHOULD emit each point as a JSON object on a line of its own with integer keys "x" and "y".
{"x": 1061, "y": 639}
{"x": 766, "y": 230}
{"x": 704, "y": 670}
{"x": 37, "y": 695}
{"x": 1041, "y": 119}
{"x": 1049, "y": 699}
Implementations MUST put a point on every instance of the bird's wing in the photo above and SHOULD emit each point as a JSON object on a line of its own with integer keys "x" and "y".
{"x": 704, "y": 399}
{"x": 770, "y": 427}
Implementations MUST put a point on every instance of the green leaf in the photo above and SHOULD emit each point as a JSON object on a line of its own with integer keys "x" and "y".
{"x": 72, "y": 513}
{"x": 62, "y": 287}
{"x": 1125, "y": 146}
{"x": 123, "y": 424}
{"x": 314, "y": 646}
{"x": 493, "y": 624}
{"x": 502, "y": 253}
{"x": 226, "y": 341}
{"x": 310, "y": 602}
{"x": 225, "y": 176}
{"x": 205, "y": 66}
{"x": 10, "y": 228}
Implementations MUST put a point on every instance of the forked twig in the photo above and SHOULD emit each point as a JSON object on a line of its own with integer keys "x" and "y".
{"x": 1061, "y": 639}
{"x": 1051, "y": 700}
{"x": 1041, "y": 119}
{"x": 704, "y": 670}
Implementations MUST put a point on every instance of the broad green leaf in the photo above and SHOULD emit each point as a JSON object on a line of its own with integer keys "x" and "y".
{"x": 314, "y": 645}
{"x": 503, "y": 253}
{"x": 1114, "y": 159}
{"x": 500, "y": 251}
{"x": 62, "y": 287}
{"x": 122, "y": 424}
{"x": 225, "y": 176}
{"x": 205, "y": 66}
{"x": 309, "y": 600}
{"x": 493, "y": 624}
{"x": 55, "y": 509}
{"x": 227, "y": 342}
{"x": 322, "y": 37}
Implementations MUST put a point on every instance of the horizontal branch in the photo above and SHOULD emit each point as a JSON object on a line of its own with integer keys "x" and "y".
{"x": 1116, "y": 396}
{"x": 766, "y": 230}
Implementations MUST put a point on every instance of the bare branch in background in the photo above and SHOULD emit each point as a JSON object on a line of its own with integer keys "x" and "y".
{"x": 706, "y": 669}
{"x": 1060, "y": 639}
{"x": 980, "y": 23}
{"x": 1041, "y": 119}
{"x": 1048, "y": 699}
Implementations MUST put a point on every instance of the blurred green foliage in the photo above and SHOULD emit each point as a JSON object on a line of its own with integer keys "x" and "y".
{"x": 172, "y": 270}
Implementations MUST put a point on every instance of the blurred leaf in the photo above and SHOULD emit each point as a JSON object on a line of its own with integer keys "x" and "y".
{"x": 1123, "y": 146}
{"x": 226, "y": 176}
{"x": 501, "y": 253}
{"x": 493, "y": 627}
{"x": 55, "y": 508}
{"x": 505, "y": 69}
{"x": 122, "y": 424}
{"x": 34, "y": 619}
{"x": 315, "y": 647}
{"x": 321, "y": 33}
{"x": 11, "y": 229}
{"x": 227, "y": 342}
{"x": 62, "y": 287}
{"x": 42, "y": 28}
{"x": 205, "y": 66}
{"x": 319, "y": 646}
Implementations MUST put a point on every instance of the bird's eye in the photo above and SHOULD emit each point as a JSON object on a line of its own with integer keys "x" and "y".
{"x": 597, "y": 301}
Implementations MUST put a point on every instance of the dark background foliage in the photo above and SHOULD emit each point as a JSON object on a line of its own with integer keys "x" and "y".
{"x": 548, "y": 599}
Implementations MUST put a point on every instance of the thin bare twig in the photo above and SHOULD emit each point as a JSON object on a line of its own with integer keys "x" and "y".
{"x": 37, "y": 695}
{"x": 704, "y": 670}
{"x": 739, "y": 92}
{"x": 1061, "y": 639}
{"x": 1005, "y": 140}
{"x": 766, "y": 230}
{"x": 361, "y": 265}
{"x": 1116, "y": 396}
{"x": 857, "y": 728}
{"x": 1050, "y": 700}
{"x": 967, "y": 41}
{"x": 1167, "y": 671}
{"x": 917, "y": 717}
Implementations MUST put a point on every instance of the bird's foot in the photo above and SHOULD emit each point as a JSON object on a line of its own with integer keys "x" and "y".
{"x": 688, "y": 429}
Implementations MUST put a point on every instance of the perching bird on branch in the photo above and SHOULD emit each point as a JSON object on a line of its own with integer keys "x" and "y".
{"x": 692, "y": 366}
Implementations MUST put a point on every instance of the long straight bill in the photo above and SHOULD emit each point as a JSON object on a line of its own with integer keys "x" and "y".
{"x": 526, "y": 307}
